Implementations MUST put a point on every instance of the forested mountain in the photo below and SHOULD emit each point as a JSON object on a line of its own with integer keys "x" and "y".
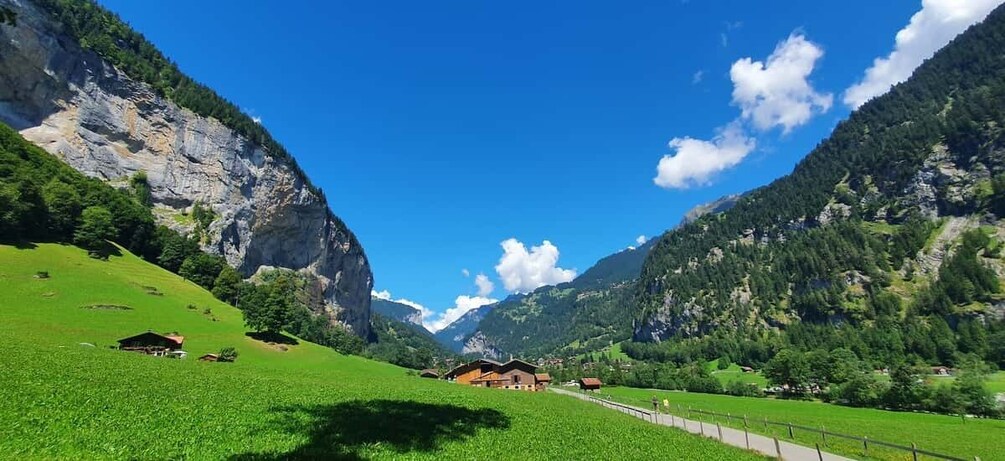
{"x": 396, "y": 311}
{"x": 404, "y": 343}
{"x": 885, "y": 239}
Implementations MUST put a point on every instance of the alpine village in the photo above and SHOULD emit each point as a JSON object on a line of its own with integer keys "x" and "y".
{"x": 331, "y": 230}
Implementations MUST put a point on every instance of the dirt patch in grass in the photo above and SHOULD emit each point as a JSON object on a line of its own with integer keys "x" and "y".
{"x": 107, "y": 307}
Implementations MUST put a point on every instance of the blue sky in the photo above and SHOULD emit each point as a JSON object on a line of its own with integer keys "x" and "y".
{"x": 455, "y": 136}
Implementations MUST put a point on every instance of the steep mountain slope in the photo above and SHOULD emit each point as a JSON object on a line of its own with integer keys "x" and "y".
{"x": 396, "y": 311}
{"x": 589, "y": 313}
{"x": 851, "y": 237}
{"x": 79, "y": 83}
{"x": 403, "y": 343}
{"x": 454, "y": 335}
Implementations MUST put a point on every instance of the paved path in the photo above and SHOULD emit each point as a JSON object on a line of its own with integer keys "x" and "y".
{"x": 759, "y": 443}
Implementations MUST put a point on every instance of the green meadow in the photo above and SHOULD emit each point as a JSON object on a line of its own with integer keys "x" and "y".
{"x": 66, "y": 393}
{"x": 942, "y": 434}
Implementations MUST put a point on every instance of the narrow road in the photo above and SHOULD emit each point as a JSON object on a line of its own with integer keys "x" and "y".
{"x": 735, "y": 437}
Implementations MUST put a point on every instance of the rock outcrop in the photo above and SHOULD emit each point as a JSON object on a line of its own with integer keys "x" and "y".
{"x": 80, "y": 108}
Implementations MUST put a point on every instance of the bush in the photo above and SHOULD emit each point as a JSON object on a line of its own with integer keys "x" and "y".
{"x": 227, "y": 354}
{"x": 742, "y": 389}
{"x": 42, "y": 274}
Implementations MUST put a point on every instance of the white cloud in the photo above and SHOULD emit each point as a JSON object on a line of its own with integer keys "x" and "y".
{"x": 697, "y": 77}
{"x": 928, "y": 30}
{"x": 523, "y": 271}
{"x": 383, "y": 294}
{"x": 696, "y": 161}
{"x": 777, "y": 92}
{"x": 465, "y": 273}
{"x": 641, "y": 240}
{"x": 485, "y": 286}
{"x": 257, "y": 120}
{"x": 462, "y": 305}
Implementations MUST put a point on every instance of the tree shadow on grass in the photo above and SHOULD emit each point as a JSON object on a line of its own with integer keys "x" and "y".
{"x": 342, "y": 430}
{"x": 272, "y": 337}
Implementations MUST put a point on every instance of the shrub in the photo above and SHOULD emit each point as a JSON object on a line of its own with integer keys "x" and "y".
{"x": 227, "y": 354}
{"x": 42, "y": 274}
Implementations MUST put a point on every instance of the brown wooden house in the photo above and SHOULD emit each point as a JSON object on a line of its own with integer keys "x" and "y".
{"x": 152, "y": 343}
{"x": 515, "y": 375}
{"x": 589, "y": 384}
{"x": 210, "y": 358}
{"x": 429, "y": 373}
{"x": 542, "y": 380}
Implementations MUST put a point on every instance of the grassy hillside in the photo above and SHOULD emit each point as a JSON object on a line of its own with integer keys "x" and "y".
{"x": 61, "y": 399}
{"x": 942, "y": 434}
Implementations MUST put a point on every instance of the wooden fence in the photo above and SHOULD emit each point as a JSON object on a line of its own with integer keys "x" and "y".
{"x": 866, "y": 442}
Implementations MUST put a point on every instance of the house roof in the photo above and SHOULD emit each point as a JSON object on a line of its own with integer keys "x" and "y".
{"x": 210, "y": 355}
{"x": 517, "y": 363}
{"x": 470, "y": 366}
{"x": 590, "y": 381}
{"x": 429, "y": 371}
{"x": 542, "y": 377}
{"x": 176, "y": 339}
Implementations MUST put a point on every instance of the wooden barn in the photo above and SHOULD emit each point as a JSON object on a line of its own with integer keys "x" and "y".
{"x": 152, "y": 344}
{"x": 542, "y": 380}
{"x": 429, "y": 373}
{"x": 589, "y": 384}
{"x": 514, "y": 374}
{"x": 210, "y": 358}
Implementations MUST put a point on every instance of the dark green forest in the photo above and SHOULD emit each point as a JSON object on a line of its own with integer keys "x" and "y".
{"x": 849, "y": 279}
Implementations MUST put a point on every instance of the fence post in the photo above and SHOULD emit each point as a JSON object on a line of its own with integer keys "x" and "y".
{"x": 701, "y": 426}
{"x": 820, "y": 454}
{"x": 765, "y": 423}
{"x": 914, "y": 451}
{"x": 746, "y": 437}
{"x": 744, "y": 421}
{"x": 865, "y": 446}
{"x": 672, "y": 422}
{"x": 719, "y": 427}
{"x": 685, "y": 424}
{"x": 790, "y": 432}
{"x": 778, "y": 449}
{"x": 823, "y": 434}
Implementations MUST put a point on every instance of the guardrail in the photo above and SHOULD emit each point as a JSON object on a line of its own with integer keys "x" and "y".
{"x": 865, "y": 440}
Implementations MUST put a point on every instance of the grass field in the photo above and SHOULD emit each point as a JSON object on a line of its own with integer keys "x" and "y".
{"x": 733, "y": 373}
{"x": 61, "y": 399}
{"x": 942, "y": 434}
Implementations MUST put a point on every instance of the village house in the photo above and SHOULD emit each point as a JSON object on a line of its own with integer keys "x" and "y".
{"x": 210, "y": 358}
{"x": 542, "y": 380}
{"x": 514, "y": 374}
{"x": 589, "y": 384}
{"x": 151, "y": 343}
{"x": 429, "y": 373}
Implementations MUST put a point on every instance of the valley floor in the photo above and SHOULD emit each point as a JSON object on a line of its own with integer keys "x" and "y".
{"x": 66, "y": 394}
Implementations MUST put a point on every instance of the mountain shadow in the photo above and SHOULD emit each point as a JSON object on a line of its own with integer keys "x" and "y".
{"x": 341, "y": 431}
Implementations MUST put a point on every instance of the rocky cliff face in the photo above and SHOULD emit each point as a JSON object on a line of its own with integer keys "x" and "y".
{"x": 83, "y": 110}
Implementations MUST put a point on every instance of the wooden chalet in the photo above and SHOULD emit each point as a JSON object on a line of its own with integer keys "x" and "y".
{"x": 151, "y": 343}
{"x": 210, "y": 358}
{"x": 589, "y": 384}
{"x": 514, "y": 374}
{"x": 542, "y": 380}
{"x": 429, "y": 373}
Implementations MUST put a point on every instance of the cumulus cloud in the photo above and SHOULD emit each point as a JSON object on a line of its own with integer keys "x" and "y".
{"x": 462, "y": 305}
{"x": 383, "y": 294}
{"x": 641, "y": 240}
{"x": 929, "y": 29}
{"x": 522, "y": 271}
{"x": 485, "y": 286}
{"x": 695, "y": 162}
{"x": 777, "y": 92}
{"x": 465, "y": 273}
